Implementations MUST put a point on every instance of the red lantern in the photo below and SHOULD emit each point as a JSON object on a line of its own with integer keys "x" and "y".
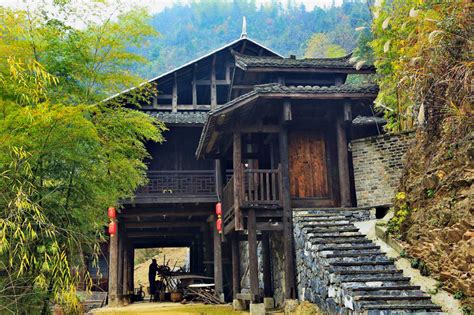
{"x": 218, "y": 209}
{"x": 112, "y": 213}
{"x": 112, "y": 228}
{"x": 219, "y": 225}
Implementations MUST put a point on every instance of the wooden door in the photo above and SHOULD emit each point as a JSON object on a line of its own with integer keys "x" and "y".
{"x": 308, "y": 167}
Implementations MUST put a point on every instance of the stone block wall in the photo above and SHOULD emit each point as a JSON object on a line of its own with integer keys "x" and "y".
{"x": 378, "y": 164}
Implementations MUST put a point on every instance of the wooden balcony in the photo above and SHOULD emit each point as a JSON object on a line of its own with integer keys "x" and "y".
{"x": 258, "y": 188}
{"x": 178, "y": 187}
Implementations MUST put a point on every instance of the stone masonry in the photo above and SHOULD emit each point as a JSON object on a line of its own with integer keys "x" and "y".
{"x": 378, "y": 164}
{"x": 343, "y": 272}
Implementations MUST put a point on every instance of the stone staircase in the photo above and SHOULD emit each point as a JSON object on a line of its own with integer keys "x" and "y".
{"x": 345, "y": 273}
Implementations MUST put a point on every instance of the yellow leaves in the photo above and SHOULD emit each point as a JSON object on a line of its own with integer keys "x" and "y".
{"x": 401, "y": 196}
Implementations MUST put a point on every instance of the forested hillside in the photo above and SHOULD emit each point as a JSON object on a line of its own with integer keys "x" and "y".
{"x": 189, "y": 31}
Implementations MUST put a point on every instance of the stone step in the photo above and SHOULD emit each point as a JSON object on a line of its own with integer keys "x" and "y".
{"x": 343, "y": 247}
{"x": 402, "y": 307}
{"x": 366, "y": 268}
{"x": 364, "y": 272}
{"x": 335, "y": 230}
{"x": 324, "y": 219}
{"x": 374, "y": 278}
{"x": 392, "y": 298}
{"x": 362, "y": 263}
{"x": 355, "y": 254}
{"x": 326, "y": 224}
{"x": 338, "y": 238}
{"x": 360, "y": 290}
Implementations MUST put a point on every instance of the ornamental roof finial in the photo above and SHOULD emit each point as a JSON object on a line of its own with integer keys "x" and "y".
{"x": 244, "y": 28}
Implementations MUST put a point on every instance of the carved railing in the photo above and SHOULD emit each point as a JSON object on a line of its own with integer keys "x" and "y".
{"x": 191, "y": 182}
{"x": 262, "y": 187}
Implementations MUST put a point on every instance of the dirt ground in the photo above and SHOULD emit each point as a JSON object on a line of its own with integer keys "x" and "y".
{"x": 168, "y": 308}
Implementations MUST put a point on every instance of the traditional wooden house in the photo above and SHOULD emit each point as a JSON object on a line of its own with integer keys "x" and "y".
{"x": 261, "y": 134}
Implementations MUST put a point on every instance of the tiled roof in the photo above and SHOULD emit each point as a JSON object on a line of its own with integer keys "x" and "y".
{"x": 368, "y": 120}
{"x": 245, "y": 62}
{"x": 345, "y": 88}
{"x": 180, "y": 117}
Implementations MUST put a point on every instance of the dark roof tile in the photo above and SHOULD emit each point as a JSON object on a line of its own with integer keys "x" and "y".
{"x": 180, "y": 117}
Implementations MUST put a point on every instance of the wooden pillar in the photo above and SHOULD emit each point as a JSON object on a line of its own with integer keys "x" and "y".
{"x": 213, "y": 84}
{"x": 342, "y": 158}
{"x": 174, "y": 100}
{"x": 218, "y": 281}
{"x": 126, "y": 270}
{"x": 253, "y": 258}
{"x": 131, "y": 266}
{"x": 113, "y": 270}
{"x": 120, "y": 266}
{"x": 194, "y": 86}
{"x": 235, "y": 267}
{"x": 237, "y": 161}
{"x": 290, "y": 287}
{"x": 208, "y": 254}
{"x": 218, "y": 179}
{"x": 267, "y": 275}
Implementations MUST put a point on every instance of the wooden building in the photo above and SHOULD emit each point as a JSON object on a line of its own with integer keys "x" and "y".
{"x": 261, "y": 134}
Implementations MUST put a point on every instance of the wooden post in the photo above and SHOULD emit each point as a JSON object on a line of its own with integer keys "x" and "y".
{"x": 174, "y": 101}
{"x": 126, "y": 270}
{"x": 253, "y": 258}
{"x": 342, "y": 158}
{"x": 218, "y": 179}
{"x": 290, "y": 287}
{"x": 267, "y": 275}
{"x": 113, "y": 270}
{"x": 194, "y": 87}
{"x": 208, "y": 255}
{"x": 131, "y": 278}
{"x": 237, "y": 160}
{"x": 213, "y": 84}
{"x": 120, "y": 266}
{"x": 219, "y": 285}
{"x": 235, "y": 267}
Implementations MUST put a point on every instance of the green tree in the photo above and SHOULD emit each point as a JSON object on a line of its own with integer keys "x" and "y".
{"x": 320, "y": 46}
{"x": 423, "y": 52}
{"x": 64, "y": 155}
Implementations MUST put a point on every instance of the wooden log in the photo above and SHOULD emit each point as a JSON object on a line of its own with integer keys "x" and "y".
{"x": 235, "y": 267}
{"x": 253, "y": 258}
{"x": 267, "y": 276}
{"x": 126, "y": 269}
{"x": 289, "y": 263}
{"x": 219, "y": 177}
{"x": 131, "y": 276}
{"x": 343, "y": 162}
{"x": 218, "y": 279}
{"x": 174, "y": 101}
{"x": 237, "y": 160}
{"x": 113, "y": 270}
{"x": 213, "y": 84}
{"x": 120, "y": 268}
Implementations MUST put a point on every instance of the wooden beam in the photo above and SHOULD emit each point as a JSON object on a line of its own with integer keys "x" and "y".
{"x": 157, "y": 234}
{"x": 308, "y": 70}
{"x": 169, "y": 213}
{"x": 174, "y": 101}
{"x": 237, "y": 165}
{"x": 253, "y": 258}
{"x": 213, "y": 84}
{"x": 342, "y": 159}
{"x": 267, "y": 275}
{"x": 113, "y": 270}
{"x": 235, "y": 267}
{"x": 289, "y": 263}
{"x": 209, "y": 82}
{"x": 194, "y": 86}
{"x": 218, "y": 272}
{"x": 148, "y": 225}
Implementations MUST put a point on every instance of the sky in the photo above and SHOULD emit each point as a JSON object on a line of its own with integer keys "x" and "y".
{"x": 155, "y": 6}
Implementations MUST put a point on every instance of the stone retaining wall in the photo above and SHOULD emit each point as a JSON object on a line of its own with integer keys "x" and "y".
{"x": 378, "y": 164}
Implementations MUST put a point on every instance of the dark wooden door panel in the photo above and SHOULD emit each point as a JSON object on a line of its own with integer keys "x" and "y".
{"x": 308, "y": 168}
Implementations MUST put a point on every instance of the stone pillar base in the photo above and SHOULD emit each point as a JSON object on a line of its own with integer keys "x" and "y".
{"x": 269, "y": 303}
{"x": 290, "y": 306}
{"x": 239, "y": 305}
{"x": 257, "y": 308}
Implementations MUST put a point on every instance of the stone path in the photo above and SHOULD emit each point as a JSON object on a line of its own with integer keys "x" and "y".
{"x": 348, "y": 273}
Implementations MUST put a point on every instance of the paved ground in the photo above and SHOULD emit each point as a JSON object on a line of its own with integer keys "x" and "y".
{"x": 167, "y": 308}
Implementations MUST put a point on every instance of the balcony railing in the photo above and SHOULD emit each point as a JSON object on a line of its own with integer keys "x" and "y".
{"x": 258, "y": 187}
{"x": 172, "y": 183}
